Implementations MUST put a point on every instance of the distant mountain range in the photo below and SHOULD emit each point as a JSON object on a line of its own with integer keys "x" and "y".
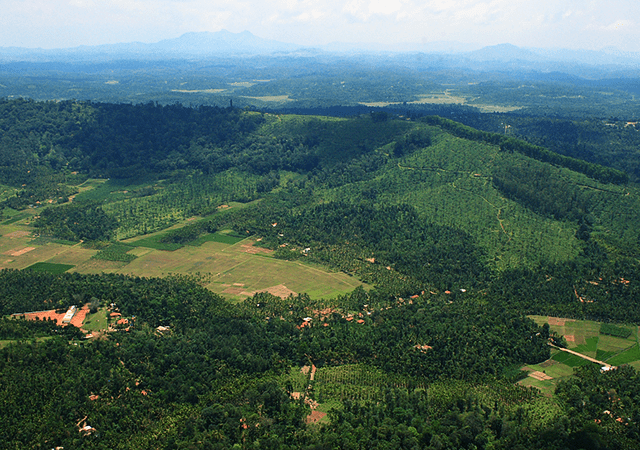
{"x": 224, "y": 43}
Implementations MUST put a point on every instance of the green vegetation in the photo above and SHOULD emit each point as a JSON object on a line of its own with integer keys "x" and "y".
{"x": 626, "y": 357}
{"x": 116, "y": 252}
{"x": 223, "y": 238}
{"x": 97, "y": 321}
{"x": 613, "y": 330}
{"x": 49, "y": 267}
{"x": 156, "y": 242}
{"x": 17, "y": 218}
{"x": 570, "y": 360}
{"x": 412, "y": 252}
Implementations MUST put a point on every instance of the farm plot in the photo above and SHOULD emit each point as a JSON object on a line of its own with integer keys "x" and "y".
{"x": 50, "y": 267}
{"x": 588, "y": 338}
{"x": 545, "y": 376}
{"x": 22, "y": 257}
{"x": 630, "y": 356}
{"x": 229, "y": 269}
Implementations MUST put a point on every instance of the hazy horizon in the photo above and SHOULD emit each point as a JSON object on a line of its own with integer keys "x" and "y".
{"x": 570, "y": 24}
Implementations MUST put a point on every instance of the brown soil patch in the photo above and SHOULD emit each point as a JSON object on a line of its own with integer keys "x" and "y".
{"x": 558, "y": 321}
{"x": 540, "y": 376}
{"x": 313, "y": 372}
{"x": 18, "y": 252}
{"x": 77, "y": 320}
{"x": 315, "y": 416}
{"x": 570, "y": 337}
{"x": 44, "y": 315}
{"x": 17, "y": 234}
{"x": 279, "y": 291}
{"x": 251, "y": 249}
{"x": 548, "y": 363}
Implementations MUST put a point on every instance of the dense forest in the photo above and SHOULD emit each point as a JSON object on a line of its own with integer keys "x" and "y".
{"x": 221, "y": 367}
{"x": 459, "y": 233}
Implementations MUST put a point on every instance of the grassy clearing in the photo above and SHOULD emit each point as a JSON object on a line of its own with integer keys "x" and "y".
{"x": 614, "y": 344}
{"x": 221, "y": 237}
{"x": 227, "y": 267}
{"x": 569, "y": 359}
{"x": 198, "y": 91}
{"x": 154, "y": 242}
{"x": 272, "y": 98}
{"x": 545, "y": 387}
{"x": 97, "y": 321}
{"x": 589, "y": 348}
{"x": 556, "y": 370}
{"x": 50, "y": 267}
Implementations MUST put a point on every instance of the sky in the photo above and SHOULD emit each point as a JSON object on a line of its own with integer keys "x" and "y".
{"x": 586, "y": 24}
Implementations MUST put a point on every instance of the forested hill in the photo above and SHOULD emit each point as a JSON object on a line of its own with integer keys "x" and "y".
{"x": 521, "y": 205}
{"x": 458, "y": 235}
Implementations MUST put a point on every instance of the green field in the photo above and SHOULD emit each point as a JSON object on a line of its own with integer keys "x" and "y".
{"x": 221, "y": 237}
{"x": 630, "y": 356}
{"x": 228, "y": 264}
{"x": 154, "y": 242}
{"x": 50, "y": 267}
{"x": 97, "y": 321}
{"x": 585, "y": 337}
{"x": 17, "y": 218}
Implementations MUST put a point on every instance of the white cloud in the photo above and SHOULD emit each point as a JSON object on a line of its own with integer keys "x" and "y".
{"x": 384, "y": 7}
{"x": 619, "y": 25}
{"x": 60, "y": 23}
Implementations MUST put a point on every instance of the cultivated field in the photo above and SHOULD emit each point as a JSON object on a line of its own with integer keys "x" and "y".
{"x": 230, "y": 266}
{"x": 584, "y": 337}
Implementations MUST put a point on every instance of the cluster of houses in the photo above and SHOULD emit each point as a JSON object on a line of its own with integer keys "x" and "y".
{"x": 117, "y": 322}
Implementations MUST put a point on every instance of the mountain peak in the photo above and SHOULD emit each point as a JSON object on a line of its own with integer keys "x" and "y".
{"x": 222, "y": 42}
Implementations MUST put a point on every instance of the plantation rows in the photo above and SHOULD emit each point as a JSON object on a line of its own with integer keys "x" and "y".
{"x": 357, "y": 383}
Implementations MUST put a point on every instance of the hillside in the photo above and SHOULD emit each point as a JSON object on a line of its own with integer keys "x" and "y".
{"x": 412, "y": 251}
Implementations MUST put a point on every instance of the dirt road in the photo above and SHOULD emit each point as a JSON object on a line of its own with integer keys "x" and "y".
{"x": 602, "y": 363}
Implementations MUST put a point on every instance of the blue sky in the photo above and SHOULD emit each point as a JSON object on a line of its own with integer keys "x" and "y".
{"x": 589, "y": 24}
